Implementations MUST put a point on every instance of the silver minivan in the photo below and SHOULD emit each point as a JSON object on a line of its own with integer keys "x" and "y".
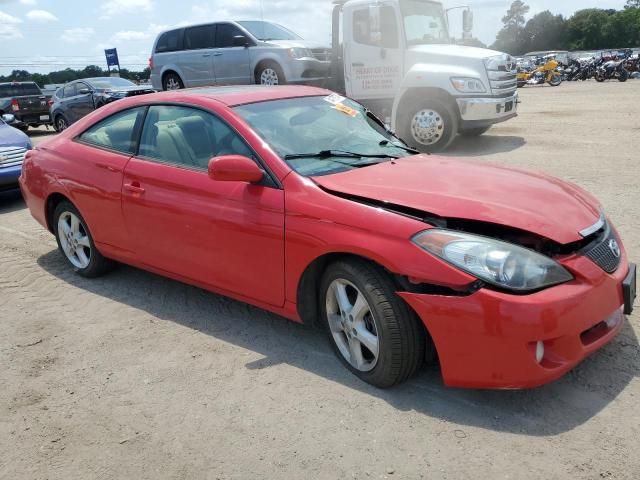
{"x": 235, "y": 53}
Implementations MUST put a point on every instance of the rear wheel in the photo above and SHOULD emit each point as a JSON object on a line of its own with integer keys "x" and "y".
{"x": 171, "y": 81}
{"x": 430, "y": 126}
{"x": 75, "y": 242}
{"x": 61, "y": 123}
{"x": 371, "y": 329}
{"x": 624, "y": 76}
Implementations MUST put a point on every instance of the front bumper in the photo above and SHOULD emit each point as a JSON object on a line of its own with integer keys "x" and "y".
{"x": 488, "y": 339}
{"x": 9, "y": 177}
{"x": 488, "y": 110}
{"x": 306, "y": 70}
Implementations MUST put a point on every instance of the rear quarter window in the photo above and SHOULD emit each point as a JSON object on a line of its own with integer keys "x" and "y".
{"x": 117, "y": 132}
{"x": 170, "y": 41}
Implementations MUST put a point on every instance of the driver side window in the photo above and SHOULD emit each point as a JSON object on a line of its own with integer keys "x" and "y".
{"x": 384, "y": 35}
{"x": 188, "y": 137}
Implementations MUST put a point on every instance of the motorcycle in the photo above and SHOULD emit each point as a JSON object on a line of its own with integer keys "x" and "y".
{"x": 611, "y": 69}
{"x": 546, "y": 71}
{"x": 571, "y": 72}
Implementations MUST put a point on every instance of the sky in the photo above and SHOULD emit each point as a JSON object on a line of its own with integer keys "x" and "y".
{"x": 44, "y": 35}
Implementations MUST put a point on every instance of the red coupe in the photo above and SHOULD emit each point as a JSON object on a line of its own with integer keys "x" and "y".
{"x": 301, "y": 202}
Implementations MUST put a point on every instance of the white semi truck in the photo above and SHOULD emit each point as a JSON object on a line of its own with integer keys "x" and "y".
{"x": 396, "y": 57}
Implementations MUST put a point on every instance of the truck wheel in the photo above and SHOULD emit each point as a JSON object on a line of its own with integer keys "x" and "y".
{"x": 474, "y": 132}
{"x": 171, "y": 81}
{"x": 430, "y": 126}
{"x": 270, "y": 73}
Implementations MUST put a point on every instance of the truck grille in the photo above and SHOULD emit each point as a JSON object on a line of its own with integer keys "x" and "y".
{"x": 10, "y": 156}
{"x": 322, "y": 54}
{"x": 503, "y": 79}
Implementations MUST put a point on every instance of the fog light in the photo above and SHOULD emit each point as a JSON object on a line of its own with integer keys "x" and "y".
{"x": 614, "y": 319}
{"x": 539, "y": 352}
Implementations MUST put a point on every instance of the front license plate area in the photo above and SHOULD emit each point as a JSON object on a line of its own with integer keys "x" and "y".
{"x": 508, "y": 106}
{"x": 44, "y": 117}
{"x": 629, "y": 290}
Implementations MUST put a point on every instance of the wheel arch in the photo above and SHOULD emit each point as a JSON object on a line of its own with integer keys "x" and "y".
{"x": 169, "y": 70}
{"x": 266, "y": 61}
{"x": 53, "y": 200}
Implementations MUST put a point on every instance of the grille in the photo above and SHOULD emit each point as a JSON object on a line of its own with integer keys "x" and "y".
{"x": 603, "y": 256}
{"x": 503, "y": 76}
{"x": 322, "y": 54}
{"x": 11, "y": 156}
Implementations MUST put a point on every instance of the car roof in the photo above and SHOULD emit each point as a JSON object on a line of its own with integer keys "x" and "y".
{"x": 233, "y": 96}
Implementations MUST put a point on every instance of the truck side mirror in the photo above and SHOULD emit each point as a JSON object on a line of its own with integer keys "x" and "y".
{"x": 467, "y": 21}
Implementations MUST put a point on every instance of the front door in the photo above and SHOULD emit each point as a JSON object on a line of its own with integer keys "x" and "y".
{"x": 196, "y": 61}
{"x": 373, "y": 52}
{"x": 229, "y": 235}
{"x": 231, "y": 63}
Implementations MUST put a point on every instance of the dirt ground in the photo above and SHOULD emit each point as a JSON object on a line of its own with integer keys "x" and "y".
{"x": 133, "y": 376}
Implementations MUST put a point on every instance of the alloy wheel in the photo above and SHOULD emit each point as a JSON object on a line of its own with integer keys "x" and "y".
{"x": 269, "y": 77}
{"x": 62, "y": 124}
{"x": 74, "y": 240}
{"x": 173, "y": 84}
{"x": 353, "y": 325}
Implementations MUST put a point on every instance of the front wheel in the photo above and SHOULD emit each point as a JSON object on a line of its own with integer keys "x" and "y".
{"x": 474, "y": 132}
{"x": 75, "y": 242}
{"x": 599, "y": 77}
{"x": 61, "y": 123}
{"x": 270, "y": 74}
{"x": 555, "y": 80}
{"x": 430, "y": 126}
{"x": 371, "y": 329}
{"x": 623, "y": 76}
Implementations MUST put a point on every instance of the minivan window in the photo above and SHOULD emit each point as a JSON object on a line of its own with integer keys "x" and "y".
{"x": 267, "y": 31}
{"x": 225, "y": 33}
{"x": 199, "y": 37}
{"x": 170, "y": 41}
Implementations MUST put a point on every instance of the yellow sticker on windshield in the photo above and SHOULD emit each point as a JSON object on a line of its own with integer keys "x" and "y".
{"x": 341, "y": 107}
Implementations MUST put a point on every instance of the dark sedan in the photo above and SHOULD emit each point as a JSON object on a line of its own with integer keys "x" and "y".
{"x": 81, "y": 97}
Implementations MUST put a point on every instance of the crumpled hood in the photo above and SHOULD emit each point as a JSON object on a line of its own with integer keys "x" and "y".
{"x": 452, "y": 188}
{"x": 12, "y": 137}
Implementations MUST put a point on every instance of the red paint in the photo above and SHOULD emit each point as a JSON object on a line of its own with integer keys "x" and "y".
{"x": 235, "y": 168}
{"x": 254, "y": 242}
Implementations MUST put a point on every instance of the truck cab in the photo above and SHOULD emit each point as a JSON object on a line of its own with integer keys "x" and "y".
{"x": 396, "y": 57}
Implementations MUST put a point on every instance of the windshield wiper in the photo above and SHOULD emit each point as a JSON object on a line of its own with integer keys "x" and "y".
{"x": 385, "y": 143}
{"x": 325, "y": 154}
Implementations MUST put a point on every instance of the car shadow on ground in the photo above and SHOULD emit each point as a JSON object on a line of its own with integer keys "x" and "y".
{"x": 549, "y": 410}
{"x": 484, "y": 145}
{"x": 11, "y": 201}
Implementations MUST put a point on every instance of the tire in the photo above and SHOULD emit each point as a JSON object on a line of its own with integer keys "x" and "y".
{"x": 172, "y": 81}
{"x": 556, "y": 79}
{"x": 521, "y": 83}
{"x": 23, "y": 128}
{"x": 624, "y": 76}
{"x": 474, "y": 132}
{"x": 84, "y": 258}
{"x": 430, "y": 125}
{"x": 599, "y": 78}
{"x": 61, "y": 123}
{"x": 270, "y": 73}
{"x": 384, "y": 320}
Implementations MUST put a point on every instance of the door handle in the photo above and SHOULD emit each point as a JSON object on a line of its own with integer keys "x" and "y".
{"x": 357, "y": 64}
{"x": 217, "y": 54}
{"x": 134, "y": 187}
{"x": 206, "y": 54}
{"x": 108, "y": 167}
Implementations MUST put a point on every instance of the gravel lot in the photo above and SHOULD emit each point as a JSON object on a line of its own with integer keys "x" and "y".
{"x": 135, "y": 376}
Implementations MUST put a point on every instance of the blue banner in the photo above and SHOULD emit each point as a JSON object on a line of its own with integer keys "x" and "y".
{"x": 112, "y": 57}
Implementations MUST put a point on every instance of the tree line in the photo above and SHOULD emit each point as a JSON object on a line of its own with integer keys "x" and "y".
{"x": 588, "y": 29}
{"x": 69, "y": 74}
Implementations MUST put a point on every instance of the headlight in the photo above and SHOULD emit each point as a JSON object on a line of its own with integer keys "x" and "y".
{"x": 498, "y": 263}
{"x": 299, "y": 52}
{"x": 468, "y": 85}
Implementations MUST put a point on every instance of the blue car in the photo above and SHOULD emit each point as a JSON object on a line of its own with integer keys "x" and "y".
{"x": 13, "y": 145}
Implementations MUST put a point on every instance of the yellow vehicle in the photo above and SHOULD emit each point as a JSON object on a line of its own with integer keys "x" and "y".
{"x": 545, "y": 71}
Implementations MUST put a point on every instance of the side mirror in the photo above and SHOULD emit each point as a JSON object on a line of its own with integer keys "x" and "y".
{"x": 240, "y": 41}
{"x": 8, "y": 118}
{"x": 235, "y": 168}
{"x": 467, "y": 21}
{"x": 85, "y": 91}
